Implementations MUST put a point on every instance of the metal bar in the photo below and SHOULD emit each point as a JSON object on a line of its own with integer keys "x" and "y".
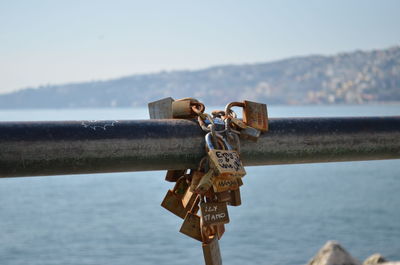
{"x": 77, "y": 147}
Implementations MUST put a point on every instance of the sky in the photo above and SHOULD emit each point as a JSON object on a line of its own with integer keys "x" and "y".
{"x": 46, "y": 42}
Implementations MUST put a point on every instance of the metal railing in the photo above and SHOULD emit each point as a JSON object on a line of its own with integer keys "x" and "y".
{"x": 77, "y": 147}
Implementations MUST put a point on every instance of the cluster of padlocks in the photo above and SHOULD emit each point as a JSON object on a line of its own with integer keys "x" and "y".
{"x": 216, "y": 182}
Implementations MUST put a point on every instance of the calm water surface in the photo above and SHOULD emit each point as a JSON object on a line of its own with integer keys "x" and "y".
{"x": 288, "y": 212}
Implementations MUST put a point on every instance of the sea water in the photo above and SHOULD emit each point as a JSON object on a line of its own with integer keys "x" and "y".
{"x": 288, "y": 212}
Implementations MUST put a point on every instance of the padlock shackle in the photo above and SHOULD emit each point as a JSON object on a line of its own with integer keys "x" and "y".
{"x": 209, "y": 141}
{"x": 232, "y": 104}
{"x": 197, "y": 107}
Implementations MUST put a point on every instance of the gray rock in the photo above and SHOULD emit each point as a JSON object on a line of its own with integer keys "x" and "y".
{"x": 374, "y": 259}
{"x": 332, "y": 253}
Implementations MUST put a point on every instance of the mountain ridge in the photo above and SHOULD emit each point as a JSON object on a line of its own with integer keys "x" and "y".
{"x": 345, "y": 78}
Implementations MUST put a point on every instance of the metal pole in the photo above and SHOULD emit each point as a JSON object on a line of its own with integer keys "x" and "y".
{"x": 77, "y": 147}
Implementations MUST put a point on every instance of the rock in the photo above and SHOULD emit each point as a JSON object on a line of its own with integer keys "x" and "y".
{"x": 374, "y": 259}
{"x": 332, "y": 253}
{"x": 379, "y": 259}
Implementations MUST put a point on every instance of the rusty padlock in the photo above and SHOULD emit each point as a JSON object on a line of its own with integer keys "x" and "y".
{"x": 191, "y": 224}
{"x": 250, "y": 128}
{"x": 224, "y": 162}
{"x": 180, "y": 187}
{"x": 186, "y": 108}
{"x": 211, "y": 252}
{"x": 220, "y": 230}
{"x": 173, "y": 199}
{"x": 168, "y": 108}
{"x": 235, "y": 199}
{"x": 224, "y": 196}
{"x": 209, "y": 231}
{"x": 174, "y": 175}
{"x": 254, "y": 114}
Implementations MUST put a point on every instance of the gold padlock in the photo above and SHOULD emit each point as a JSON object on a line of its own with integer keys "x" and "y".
{"x": 211, "y": 252}
{"x": 173, "y": 203}
{"x": 181, "y": 186}
{"x": 173, "y": 199}
{"x": 197, "y": 174}
{"x": 226, "y": 183}
{"x": 196, "y": 177}
{"x": 214, "y": 213}
{"x": 188, "y": 199}
{"x": 205, "y": 182}
{"x": 191, "y": 224}
{"x": 224, "y": 162}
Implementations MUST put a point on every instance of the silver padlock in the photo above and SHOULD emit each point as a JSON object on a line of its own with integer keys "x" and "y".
{"x": 250, "y": 133}
{"x": 161, "y": 109}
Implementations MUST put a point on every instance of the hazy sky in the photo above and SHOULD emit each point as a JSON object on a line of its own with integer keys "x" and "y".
{"x": 48, "y": 42}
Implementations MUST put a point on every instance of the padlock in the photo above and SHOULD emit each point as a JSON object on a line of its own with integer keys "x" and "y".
{"x": 239, "y": 123}
{"x": 181, "y": 186}
{"x": 174, "y": 175}
{"x": 197, "y": 174}
{"x": 254, "y": 114}
{"x": 211, "y": 252}
{"x": 173, "y": 199}
{"x": 186, "y": 108}
{"x": 196, "y": 177}
{"x": 236, "y": 199}
{"x": 181, "y": 109}
{"x": 224, "y": 196}
{"x": 226, "y": 183}
{"x": 173, "y": 203}
{"x": 205, "y": 182}
{"x": 191, "y": 224}
{"x": 220, "y": 230}
{"x": 207, "y": 231}
{"x": 188, "y": 199}
{"x": 161, "y": 109}
{"x": 214, "y": 213}
{"x": 250, "y": 133}
{"x": 245, "y": 131}
{"x": 224, "y": 162}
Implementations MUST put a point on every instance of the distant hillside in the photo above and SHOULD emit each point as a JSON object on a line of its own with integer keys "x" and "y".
{"x": 355, "y": 77}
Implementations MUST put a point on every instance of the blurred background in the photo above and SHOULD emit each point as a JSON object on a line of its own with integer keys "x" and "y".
{"x": 75, "y": 60}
